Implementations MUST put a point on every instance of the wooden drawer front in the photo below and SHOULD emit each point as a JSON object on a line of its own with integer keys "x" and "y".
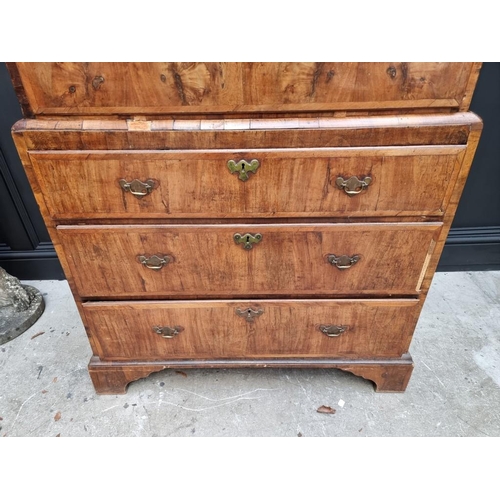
{"x": 214, "y": 329}
{"x": 404, "y": 181}
{"x": 290, "y": 259}
{"x": 143, "y": 88}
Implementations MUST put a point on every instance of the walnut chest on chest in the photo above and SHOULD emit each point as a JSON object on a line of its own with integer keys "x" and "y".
{"x": 247, "y": 214}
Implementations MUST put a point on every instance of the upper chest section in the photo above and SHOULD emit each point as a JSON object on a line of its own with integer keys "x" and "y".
{"x": 240, "y": 88}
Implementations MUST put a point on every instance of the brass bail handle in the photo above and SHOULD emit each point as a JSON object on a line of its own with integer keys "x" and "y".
{"x": 168, "y": 332}
{"x": 353, "y": 185}
{"x": 333, "y": 330}
{"x": 154, "y": 262}
{"x": 137, "y": 188}
{"x": 342, "y": 261}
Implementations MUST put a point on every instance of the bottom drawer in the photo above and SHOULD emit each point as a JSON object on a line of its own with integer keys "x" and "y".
{"x": 218, "y": 329}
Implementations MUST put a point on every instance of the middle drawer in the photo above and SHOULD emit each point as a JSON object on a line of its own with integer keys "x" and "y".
{"x": 180, "y": 261}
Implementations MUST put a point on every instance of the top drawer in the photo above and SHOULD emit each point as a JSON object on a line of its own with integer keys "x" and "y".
{"x": 233, "y": 88}
{"x": 313, "y": 182}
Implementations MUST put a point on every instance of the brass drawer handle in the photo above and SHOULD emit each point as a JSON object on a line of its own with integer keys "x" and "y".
{"x": 353, "y": 185}
{"x": 154, "y": 262}
{"x": 249, "y": 314}
{"x": 343, "y": 261}
{"x": 243, "y": 167}
{"x": 247, "y": 239}
{"x": 138, "y": 188}
{"x": 168, "y": 332}
{"x": 333, "y": 330}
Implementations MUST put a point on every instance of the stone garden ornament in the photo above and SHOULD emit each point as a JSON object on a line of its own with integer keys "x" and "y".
{"x": 20, "y": 307}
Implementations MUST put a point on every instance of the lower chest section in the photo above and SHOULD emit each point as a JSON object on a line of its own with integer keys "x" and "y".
{"x": 252, "y": 242}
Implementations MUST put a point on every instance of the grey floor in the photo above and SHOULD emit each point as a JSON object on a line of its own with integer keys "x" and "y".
{"x": 45, "y": 389}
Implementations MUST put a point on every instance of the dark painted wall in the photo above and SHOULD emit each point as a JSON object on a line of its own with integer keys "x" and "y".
{"x": 474, "y": 241}
{"x": 25, "y": 247}
{"x": 473, "y": 244}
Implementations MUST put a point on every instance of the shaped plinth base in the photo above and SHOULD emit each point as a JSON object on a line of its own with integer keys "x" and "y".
{"x": 388, "y": 375}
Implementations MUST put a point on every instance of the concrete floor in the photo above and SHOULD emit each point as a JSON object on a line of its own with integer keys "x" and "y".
{"x": 45, "y": 389}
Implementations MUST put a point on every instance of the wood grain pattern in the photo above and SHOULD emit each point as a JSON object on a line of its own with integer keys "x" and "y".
{"x": 388, "y": 375}
{"x": 148, "y": 123}
{"x": 398, "y": 130}
{"x": 111, "y": 378}
{"x": 152, "y": 88}
{"x": 205, "y": 261}
{"x": 471, "y": 85}
{"x": 406, "y": 181}
{"x": 212, "y": 329}
{"x": 466, "y": 163}
{"x": 19, "y": 90}
{"x": 20, "y": 143}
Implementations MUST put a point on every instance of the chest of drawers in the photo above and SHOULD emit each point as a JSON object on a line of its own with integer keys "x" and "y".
{"x": 247, "y": 214}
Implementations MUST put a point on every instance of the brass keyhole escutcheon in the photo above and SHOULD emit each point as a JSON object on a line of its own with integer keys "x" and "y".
{"x": 353, "y": 185}
{"x": 248, "y": 240}
{"x": 243, "y": 168}
{"x": 249, "y": 314}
